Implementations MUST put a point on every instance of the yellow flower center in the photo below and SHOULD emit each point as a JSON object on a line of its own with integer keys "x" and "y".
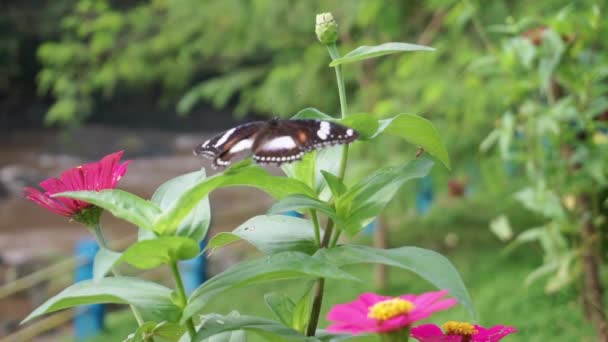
{"x": 390, "y": 308}
{"x": 459, "y": 328}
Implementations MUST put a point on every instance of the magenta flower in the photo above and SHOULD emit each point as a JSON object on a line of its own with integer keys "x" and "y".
{"x": 96, "y": 176}
{"x": 372, "y": 313}
{"x": 460, "y": 332}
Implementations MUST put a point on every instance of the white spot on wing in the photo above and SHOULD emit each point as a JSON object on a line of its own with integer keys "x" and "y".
{"x": 241, "y": 146}
{"x": 280, "y": 143}
{"x": 224, "y": 137}
{"x": 349, "y": 132}
{"x": 324, "y": 130}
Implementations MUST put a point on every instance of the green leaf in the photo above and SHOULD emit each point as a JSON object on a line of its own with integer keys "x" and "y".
{"x": 104, "y": 261}
{"x": 221, "y": 239}
{"x": 312, "y": 113}
{"x": 272, "y": 234}
{"x": 152, "y": 298}
{"x": 303, "y": 170}
{"x": 432, "y": 266}
{"x": 167, "y": 331}
{"x": 147, "y": 254}
{"x": 366, "y": 199}
{"x": 301, "y": 312}
{"x": 367, "y": 52}
{"x": 228, "y": 336}
{"x": 249, "y": 175}
{"x": 336, "y": 185}
{"x": 215, "y": 324}
{"x": 121, "y": 204}
{"x": 285, "y": 265}
{"x": 196, "y": 224}
{"x": 281, "y": 306}
{"x": 301, "y": 202}
{"x": 365, "y": 124}
{"x": 418, "y": 131}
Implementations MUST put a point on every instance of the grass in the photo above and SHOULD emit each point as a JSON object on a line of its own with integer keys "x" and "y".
{"x": 494, "y": 279}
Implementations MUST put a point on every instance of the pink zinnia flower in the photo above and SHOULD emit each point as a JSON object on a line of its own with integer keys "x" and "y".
{"x": 373, "y": 313}
{"x": 460, "y": 332}
{"x": 96, "y": 176}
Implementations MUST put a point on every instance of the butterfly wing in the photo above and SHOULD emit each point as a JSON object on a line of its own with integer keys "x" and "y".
{"x": 315, "y": 134}
{"x": 223, "y": 147}
{"x": 287, "y": 140}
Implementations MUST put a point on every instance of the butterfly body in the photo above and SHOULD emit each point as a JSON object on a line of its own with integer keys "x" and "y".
{"x": 274, "y": 141}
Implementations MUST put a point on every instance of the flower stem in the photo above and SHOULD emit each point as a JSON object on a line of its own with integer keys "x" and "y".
{"x": 315, "y": 223}
{"x": 181, "y": 291}
{"x": 103, "y": 243}
{"x": 320, "y": 284}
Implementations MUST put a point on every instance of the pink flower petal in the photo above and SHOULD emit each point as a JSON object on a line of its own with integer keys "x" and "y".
{"x": 95, "y": 176}
{"x": 353, "y": 317}
{"x": 493, "y": 334}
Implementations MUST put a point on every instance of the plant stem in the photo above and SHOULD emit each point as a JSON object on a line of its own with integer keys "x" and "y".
{"x": 317, "y": 301}
{"x": 315, "y": 223}
{"x": 103, "y": 243}
{"x": 181, "y": 291}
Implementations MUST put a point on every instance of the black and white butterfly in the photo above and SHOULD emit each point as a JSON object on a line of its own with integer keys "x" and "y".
{"x": 274, "y": 141}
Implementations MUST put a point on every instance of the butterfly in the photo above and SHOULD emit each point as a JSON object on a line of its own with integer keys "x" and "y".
{"x": 275, "y": 141}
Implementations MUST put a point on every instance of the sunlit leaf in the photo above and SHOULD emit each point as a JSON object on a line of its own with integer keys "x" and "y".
{"x": 301, "y": 202}
{"x": 152, "y": 298}
{"x": 152, "y": 253}
{"x": 418, "y": 131}
{"x": 196, "y": 224}
{"x": 103, "y": 262}
{"x": 215, "y": 324}
{"x": 285, "y": 265}
{"x": 121, "y": 204}
{"x": 367, "y": 52}
{"x": 271, "y": 234}
{"x": 366, "y": 199}
{"x": 248, "y": 175}
{"x": 432, "y": 266}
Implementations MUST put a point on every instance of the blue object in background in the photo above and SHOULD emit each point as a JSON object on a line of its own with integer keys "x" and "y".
{"x": 424, "y": 196}
{"x": 293, "y": 213}
{"x": 88, "y": 319}
{"x": 370, "y": 228}
{"x": 194, "y": 271}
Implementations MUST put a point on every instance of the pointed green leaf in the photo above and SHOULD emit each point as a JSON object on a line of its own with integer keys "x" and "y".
{"x": 367, "y": 52}
{"x": 365, "y": 124}
{"x": 272, "y": 234}
{"x": 285, "y": 265}
{"x": 196, "y": 224}
{"x": 272, "y": 330}
{"x": 167, "y": 331}
{"x": 147, "y": 254}
{"x": 121, "y": 204}
{"x": 301, "y": 312}
{"x": 301, "y": 202}
{"x": 312, "y": 113}
{"x": 152, "y": 298}
{"x": 104, "y": 261}
{"x": 432, "y": 266}
{"x": 336, "y": 186}
{"x": 281, "y": 306}
{"x": 249, "y": 175}
{"x": 418, "y": 131}
{"x": 366, "y": 199}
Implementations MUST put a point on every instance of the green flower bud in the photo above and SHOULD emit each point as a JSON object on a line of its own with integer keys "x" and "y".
{"x": 326, "y": 28}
